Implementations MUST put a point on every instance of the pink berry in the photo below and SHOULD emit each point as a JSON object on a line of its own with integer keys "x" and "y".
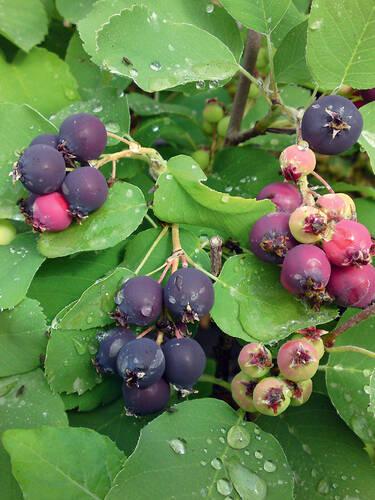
{"x": 270, "y": 237}
{"x": 296, "y": 161}
{"x": 285, "y": 196}
{"x": 255, "y": 360}
{"x": 333, "y": 205}
{"x": 351, "y": 210}
{"x": 308, "y": 224}
{"x": 242, "y": 388}
{"x": 50, "y": 213}
{"x": 298, "y": 360}
{"x": 271, "y": 396}
{"x": 300, "y": 392}
{"x": 350, "y": 244}
{"x": 316, "y": 342}
{"x": 305, "y": 273}
{"x": 352, "y": 286}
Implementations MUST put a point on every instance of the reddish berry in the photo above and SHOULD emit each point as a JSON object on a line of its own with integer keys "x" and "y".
{"x": 300, "y": 392}
{"x": 296, "y": 161}
{"x": 298, "y": 360}
{"x": 271, "y": 396}
{"x": 242, "y": 388}
{"x": 308, "y": 224}
{"x": 255, "y": 360}
{"x": 50, "y": 213}
{"x": 334, "y": 206}
{"x": 352, "y": 286}
{"x": 350, "y": 244}
{"x": 285, "y": 196}
{"x": 270, "y": 237}
{"x": 317, "y": 342}
{"x": 351, "y": 211}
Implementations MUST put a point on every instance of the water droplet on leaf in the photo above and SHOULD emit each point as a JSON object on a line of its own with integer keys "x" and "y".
{"x": 177, "y": 446}
{"x": 238, "y": 437}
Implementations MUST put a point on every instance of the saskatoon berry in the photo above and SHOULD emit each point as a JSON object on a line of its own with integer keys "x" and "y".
{"x": 213, "y": 112}
{"x": 139, "y": 301}
{"x": 255, "y": 360}
{"x": 110, "y": 344}
{"x": 242, "y": 387}
{"x": 296, "y": 161}
{"x": 317, "y": 342}
{"x": 352, "y": 286}
{"x": 185, "y": 362}
{"x": 83, "y": 136}
{"x": 300, "y": 392}
{"x": 189, "y": 294}
{"x": 141, "y": 362}
{"x": 146, "y": 401}
{"x": 207, "y": 127}
{"x": 51, "y": 213}
{"x": 47, "y": 139}
{"x": 85, "y": 189}
{"x": 41, "y": 169}
{"x": 298, "y": 360}
{"x": 271, "y": 396}
{"x": 331, "y": 125}
{"x": 334, "y": 206}
{"x": 7, "y": 232}
{"x": 222, "y": 126}
{"x": 351, "y": 211}
{"x": 285, "y": 196}
{"x": 270, "y": 237}
{"x": 305, "y": 272}
{"x": 202, "y": 157}
{"x": 350, "y": 244}
{"x": 308, "y": 224}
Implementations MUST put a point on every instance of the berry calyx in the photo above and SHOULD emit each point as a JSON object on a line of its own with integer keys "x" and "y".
{"x": 317, "y": 342}
{"x": 300, "y": 392}
{"x": 50, "y": 212}
{"x": 352, "y": 286}
{"x": 285, "y": 196}
{"x": 7, "y": 232}
{"x": 298, "y": 360}
{"x": 271, "y": 396}
{"x": 146, "y": 401}
{"x": 242, "y": 387}
{"x": 213, "y": 112}
{"x": 255, "y": 360}
{"x": 202, "y": 157}
{"x": 308, "y": 224}
{"x": 296, "y": 161}
{"x": 110, "y": 343}
{"x": 350, "y": 245}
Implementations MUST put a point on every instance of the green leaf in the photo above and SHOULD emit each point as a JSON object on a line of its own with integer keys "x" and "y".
{"x": 73, "y": 275}
{"x": 251, "y": 303}
{"x": 348, "y": 378}
{"x": 182, "y": 198}
{"x": 112, "y": 421}
{"x": 20, "y": 261}
{"x": 326, "y": 457}
{"x": 68, "y": 362}
{"x": 292, "y": 18}
{"x": 366, "y": 213}
{"x": 372, "y": 393}
{"x": 24, "y": 26}
{"x": 40, "y": 79}
{"x": 22, "y": 338}
{"x": 32, "y": 406}
{"x": 120, "y": 215}
{"x": 192, "y": 440}
{"x": 171, "y": 52}
{"x": 367, "y": 137}
{"x": 74, "y": 11}
{"x": 74, "y": 463}
{"x": 167, "y": 128}
{"x": 290, "y": 58}
{"x": 340, "y": 43}
{"x": 13, "y": 138}
{"x": 101, "y": 394}
{"x": 144, "y": 105}
{"x": 92, "y": 309}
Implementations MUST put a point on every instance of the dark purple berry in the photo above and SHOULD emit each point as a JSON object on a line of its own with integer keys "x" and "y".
{"x": 331, "y": 125}
{"x": 85, "y": 189}
{"x": 110, "y": 344}
{"x": 270, "y": 237}
{"x": 41, "y": 169}
{"x": 47, "y": 139}
{"x": 141, "y": 362}
{"x": 26, "y": 206}
{"x": 185, "y": 362}
{"x": 139, "y": 301}
{"x": 285, "y": 196}
{"x": 189, "y": 294}
{"x": 146, "y": 401}
{"x": 84, "y": 136}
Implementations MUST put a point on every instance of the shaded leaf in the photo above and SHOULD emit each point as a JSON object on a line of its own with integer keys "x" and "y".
{"x": 73, "y": 11}
{"x": 144, "y": 105}
{"x": 101, "y": 394}
{"x": 367, "y": 137}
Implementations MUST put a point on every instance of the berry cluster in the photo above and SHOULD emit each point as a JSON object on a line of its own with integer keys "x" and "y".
{"x": 290, "y": 381}
{"x": 147, "y": 367}
{"x": 324, "y": 252}
{"x": 59, "y": 190}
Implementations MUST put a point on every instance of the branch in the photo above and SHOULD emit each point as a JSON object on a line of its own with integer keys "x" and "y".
{"x": 329, "y": 339}
{"x": 252, "y": 47}
{"x": 350, "y": 348}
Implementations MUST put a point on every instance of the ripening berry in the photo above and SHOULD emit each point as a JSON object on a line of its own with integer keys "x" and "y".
{"x": 7, "y": 232}
{"x": 296, "y": 161}
{"x": 242, "y": 387}
{"x": 255, "y": 360}
{"x": 333, "y": 205}
{"x": 222, "y": 126}
{"x": 298, "y": 360}
{"x": 317, "y": 342}
{"x": 207, "y": 127}
{"x": 300, "y": 392}
{"x": 271, "y": 396}
{"x": 51, "y": 213}
{"x": 308, "y": 224}
{"x": 351, "y": 210}
{"x": 202, "y": 157}
{"x": 285, "y": 196}
{"x": 352, "y": 286}
{"x": 213, "y": 112}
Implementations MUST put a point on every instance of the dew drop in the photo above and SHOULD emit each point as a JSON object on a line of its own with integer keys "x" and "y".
{"x": 238, "y": 437}
{"x": 225, "y": 198}
{"x": 155, "y": 128}
{"x": 216, "y": 463}
{"x": 133, "y": 73}
{"x": 221, "y": 439}
{"x": 113, "y": 127}
{"x": 200, "y": 84}
{"x": 323, "y": 487}
{"x": 248, "y": 485}
{"x": 155, "y": 66}
{"x": 210, "y": 8}
{"x": 146, "y": 310}
{"x": 79, "y": 347}
{"x": 98, "y": 109}
{"x": 202, "y": 462}
{"x": 316, "y": 25}
{"x": 170, "y": 47}
{"x": 258, "y": 454}
{"x": 177, "y": 446}
{"x": 269, "y": 466}
{"x": 224, "y": 487}
{"x": 213, "y": 84}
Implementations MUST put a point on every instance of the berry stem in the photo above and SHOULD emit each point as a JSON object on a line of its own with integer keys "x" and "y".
{"x": 119, "y": 138}
{"x": 149, "y": 329}
{"x": 151, "y": 221}
{"x": 177, "y": 249}
{"x": 256, "y": 82}
{"x": 303, "y": 186}
{"x": 276, "y": 96}
{"x": 166, "y": 269}
{"x": 216, "y": 251}
{"x": 324, "y": 182}
{"x": 152, "y": 248}
{"x": 348, "y": 348}
{"x": 329, "y": 339}
{"x": 213, "y": 380}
